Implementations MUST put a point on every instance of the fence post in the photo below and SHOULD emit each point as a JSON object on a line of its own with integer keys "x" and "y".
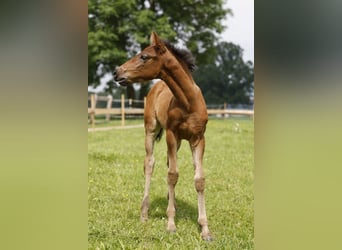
{"x": 226, "y": 115}
{"x": 92, "y": 105}
{"x": 109, "y": 107}
{"x": 123, "y": 110}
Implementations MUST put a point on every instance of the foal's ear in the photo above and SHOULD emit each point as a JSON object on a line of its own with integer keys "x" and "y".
{"x": 155, "y": 40}
{"x": 157, "y": 43}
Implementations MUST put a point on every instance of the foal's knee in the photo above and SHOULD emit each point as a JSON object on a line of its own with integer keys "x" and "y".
{"x": 200, "y": 184}
{"x": 172, "y": 178}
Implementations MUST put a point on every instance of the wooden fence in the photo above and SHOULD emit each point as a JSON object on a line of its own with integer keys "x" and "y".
{"x": 123, "y": 111}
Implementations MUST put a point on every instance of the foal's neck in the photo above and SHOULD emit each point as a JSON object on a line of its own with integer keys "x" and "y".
{"x": 180, "y": 83}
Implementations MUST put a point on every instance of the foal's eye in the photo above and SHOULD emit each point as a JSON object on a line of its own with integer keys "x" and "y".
{"x": 144, "y": 57}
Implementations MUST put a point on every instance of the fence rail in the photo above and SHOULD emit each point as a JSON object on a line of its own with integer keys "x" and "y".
{"x": 123, "y": 110}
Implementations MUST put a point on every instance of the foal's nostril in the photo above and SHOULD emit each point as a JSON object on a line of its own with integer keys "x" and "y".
{"x": 115, "y": 72}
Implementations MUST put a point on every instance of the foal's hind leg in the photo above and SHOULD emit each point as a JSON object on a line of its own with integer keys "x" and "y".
{"x": 150, "y": 138}
{"x": 197, "y": 155}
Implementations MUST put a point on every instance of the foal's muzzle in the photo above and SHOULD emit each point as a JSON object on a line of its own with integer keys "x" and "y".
{"x": 119, "y": 77}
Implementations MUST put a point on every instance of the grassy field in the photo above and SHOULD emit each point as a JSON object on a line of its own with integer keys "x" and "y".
{"x": 116, "y": 181}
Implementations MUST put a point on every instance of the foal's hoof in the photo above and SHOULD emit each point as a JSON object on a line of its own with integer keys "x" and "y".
{"x": 171, "y": 228}
{"x": 143, "y": 219}
{"x": 206, "y": 237}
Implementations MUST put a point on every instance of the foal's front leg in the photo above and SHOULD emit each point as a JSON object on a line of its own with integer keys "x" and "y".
{"x": 172, "y": 178}
{"x": 197, "y": 155}
{"x": 148, "y": 171}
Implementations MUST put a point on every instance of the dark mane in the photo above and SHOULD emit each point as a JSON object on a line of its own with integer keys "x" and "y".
{"x": 182, "y": 55}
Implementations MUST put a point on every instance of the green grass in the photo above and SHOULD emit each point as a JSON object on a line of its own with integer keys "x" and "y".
{"x": 116, "y": 182}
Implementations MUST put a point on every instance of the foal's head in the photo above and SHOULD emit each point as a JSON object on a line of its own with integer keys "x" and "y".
{"x": 148, "y": 64}
{"x": 144, "y": 66}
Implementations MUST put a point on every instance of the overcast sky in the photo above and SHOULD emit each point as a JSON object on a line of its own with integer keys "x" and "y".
{"x": 240, "y": 27}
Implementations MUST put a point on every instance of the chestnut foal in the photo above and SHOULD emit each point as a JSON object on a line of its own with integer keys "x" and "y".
{"x": 175, "y": 104}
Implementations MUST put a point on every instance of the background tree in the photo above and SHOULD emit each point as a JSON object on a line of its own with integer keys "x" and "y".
{"x": 229, "y": 79}
{"x": 118, "y": 29}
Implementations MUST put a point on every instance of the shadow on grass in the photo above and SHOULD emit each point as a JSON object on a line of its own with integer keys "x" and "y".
{"x": 184, "y": 210}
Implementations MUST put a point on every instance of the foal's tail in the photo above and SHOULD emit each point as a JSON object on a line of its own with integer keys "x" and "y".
{"x": 159, "y": 135}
